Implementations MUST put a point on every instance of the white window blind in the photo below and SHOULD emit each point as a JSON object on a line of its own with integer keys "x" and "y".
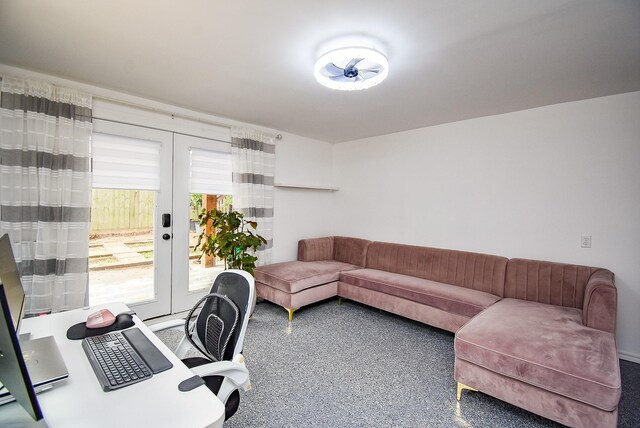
{"x": 209, "y": 172}
{"x": 125, "y": 163}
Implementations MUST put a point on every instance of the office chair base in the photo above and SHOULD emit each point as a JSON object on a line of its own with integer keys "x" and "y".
{"x": 462, "y": 386}
{"x": 291, "y": 311}
{"x": 232, "y": 404}
{"x": 214, "y": 383}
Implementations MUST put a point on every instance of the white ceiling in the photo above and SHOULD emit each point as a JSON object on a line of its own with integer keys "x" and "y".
{"x": 252, "y": 60}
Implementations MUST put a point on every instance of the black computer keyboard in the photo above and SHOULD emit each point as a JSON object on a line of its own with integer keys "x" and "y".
{"x": 114, "y": 361}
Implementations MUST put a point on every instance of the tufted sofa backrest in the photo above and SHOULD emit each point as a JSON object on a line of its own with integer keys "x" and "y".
{"x": 340, "y": 248}
{"x": 547, "y": 282}
{"x": 350, "y": 250}
{"x": 477, "y": 271}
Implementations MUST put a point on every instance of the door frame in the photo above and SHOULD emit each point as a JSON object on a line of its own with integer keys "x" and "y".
{"x": 163, "y": 118}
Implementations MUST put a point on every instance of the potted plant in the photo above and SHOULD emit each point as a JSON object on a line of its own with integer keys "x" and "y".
{"x": 230, "y": 240}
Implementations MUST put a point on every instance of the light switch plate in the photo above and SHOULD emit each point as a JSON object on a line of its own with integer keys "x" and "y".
{"x": 585, "y": 241}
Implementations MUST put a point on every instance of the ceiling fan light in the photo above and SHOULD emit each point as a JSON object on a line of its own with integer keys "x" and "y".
{"x": 341, "y": 58}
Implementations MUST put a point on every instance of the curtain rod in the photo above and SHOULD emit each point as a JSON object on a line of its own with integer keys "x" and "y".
{"x": 167, "y": 112}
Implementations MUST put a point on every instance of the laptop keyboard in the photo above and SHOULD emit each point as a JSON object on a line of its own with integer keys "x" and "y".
{"x": 114, "y": 361}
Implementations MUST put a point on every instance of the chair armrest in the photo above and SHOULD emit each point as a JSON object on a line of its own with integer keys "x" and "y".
{"x": 311, "y": 250}
{"x": 234, "y": 371}
{"x": 167, "y": 325}
{"x": 177, "y": 325}
{"x": 599, "y": 309}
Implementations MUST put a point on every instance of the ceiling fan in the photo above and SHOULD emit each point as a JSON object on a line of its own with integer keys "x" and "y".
{"x": 351, "y": 68}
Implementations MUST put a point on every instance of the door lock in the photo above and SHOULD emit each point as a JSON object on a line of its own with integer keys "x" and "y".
{"x": 166, "y": 236}
{"x": 166, "y": 220}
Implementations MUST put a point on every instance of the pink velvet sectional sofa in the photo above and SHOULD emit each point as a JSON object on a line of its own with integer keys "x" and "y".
{"x": 536, "y": 334}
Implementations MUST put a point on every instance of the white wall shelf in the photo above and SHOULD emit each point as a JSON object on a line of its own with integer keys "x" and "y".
{"x": 305, "y": 186}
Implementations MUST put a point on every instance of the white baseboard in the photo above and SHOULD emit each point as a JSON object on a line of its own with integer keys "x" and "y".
{"x": 628, "y": 356}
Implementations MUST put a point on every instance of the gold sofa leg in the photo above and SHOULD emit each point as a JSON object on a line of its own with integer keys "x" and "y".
{"x": 462, "y": 386}
{"x": 291, "y": 311}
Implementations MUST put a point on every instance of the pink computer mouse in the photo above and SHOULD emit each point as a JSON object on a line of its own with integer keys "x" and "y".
{"x": 100, "y": 319}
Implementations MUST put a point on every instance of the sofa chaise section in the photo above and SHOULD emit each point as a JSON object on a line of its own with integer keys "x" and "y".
{"x": 548, "y": 346}
{"x": 443, "y": 288}
{"x": 314, "y": 276}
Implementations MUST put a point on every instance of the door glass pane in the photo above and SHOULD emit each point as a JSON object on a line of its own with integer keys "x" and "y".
{"x": 203, "y": 268}
{"x": 121, "y": 246}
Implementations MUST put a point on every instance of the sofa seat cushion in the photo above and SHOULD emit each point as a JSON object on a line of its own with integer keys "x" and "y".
{"x": 447, "y": 297}
{"x": 292, "y": 277}
{"x": 546, "y": 346}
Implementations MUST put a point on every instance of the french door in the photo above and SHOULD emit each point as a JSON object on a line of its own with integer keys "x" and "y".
{"x": 201, "y": 180}
{"x": 144, "y": 216}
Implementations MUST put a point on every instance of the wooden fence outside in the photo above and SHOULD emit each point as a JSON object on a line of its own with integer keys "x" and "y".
{"x": 113, "y": 210}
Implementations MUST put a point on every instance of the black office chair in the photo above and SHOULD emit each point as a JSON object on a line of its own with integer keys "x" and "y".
{"x": 216, "y": 326}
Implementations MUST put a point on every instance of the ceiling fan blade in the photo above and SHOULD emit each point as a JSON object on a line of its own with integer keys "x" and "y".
{"x": 367, "y": 64}
{"x": 341, "y": 78}
{"x": 333, "y": 70}
{"x": 352, "y": 63}
{"x": 368, "y": 74}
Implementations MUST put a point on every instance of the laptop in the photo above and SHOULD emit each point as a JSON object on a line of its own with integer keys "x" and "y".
{"x": 42, "y": 356}
{"x": 44, "y": 364}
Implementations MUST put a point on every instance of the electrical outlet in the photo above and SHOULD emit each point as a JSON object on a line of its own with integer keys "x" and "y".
{"x": 585, "y": 241}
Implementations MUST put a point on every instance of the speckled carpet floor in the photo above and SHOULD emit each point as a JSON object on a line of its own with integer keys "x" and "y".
{"x": 350, "y": 365}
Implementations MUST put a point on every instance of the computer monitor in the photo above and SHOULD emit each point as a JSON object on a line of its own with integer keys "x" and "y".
{"x": 10, "y": 278}
{"x": 13, "y": 370}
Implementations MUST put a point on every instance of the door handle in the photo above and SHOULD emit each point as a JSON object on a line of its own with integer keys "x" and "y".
{"x": 166, "y": 236}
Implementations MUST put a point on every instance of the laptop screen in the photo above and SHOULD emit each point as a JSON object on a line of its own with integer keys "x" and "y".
{"x": 11, "y": 280}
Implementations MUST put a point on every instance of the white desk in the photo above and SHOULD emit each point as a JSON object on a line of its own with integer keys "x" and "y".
{"x": 80, "y": 402}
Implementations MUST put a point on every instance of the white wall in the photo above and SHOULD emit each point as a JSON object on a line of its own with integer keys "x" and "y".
{"x": 301, "y": 213}
{"x": 524, "y": 184}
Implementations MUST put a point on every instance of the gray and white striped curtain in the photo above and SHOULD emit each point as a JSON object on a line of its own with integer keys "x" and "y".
{"x": 253, "y": 157}
{"x": 45, "y": 190}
